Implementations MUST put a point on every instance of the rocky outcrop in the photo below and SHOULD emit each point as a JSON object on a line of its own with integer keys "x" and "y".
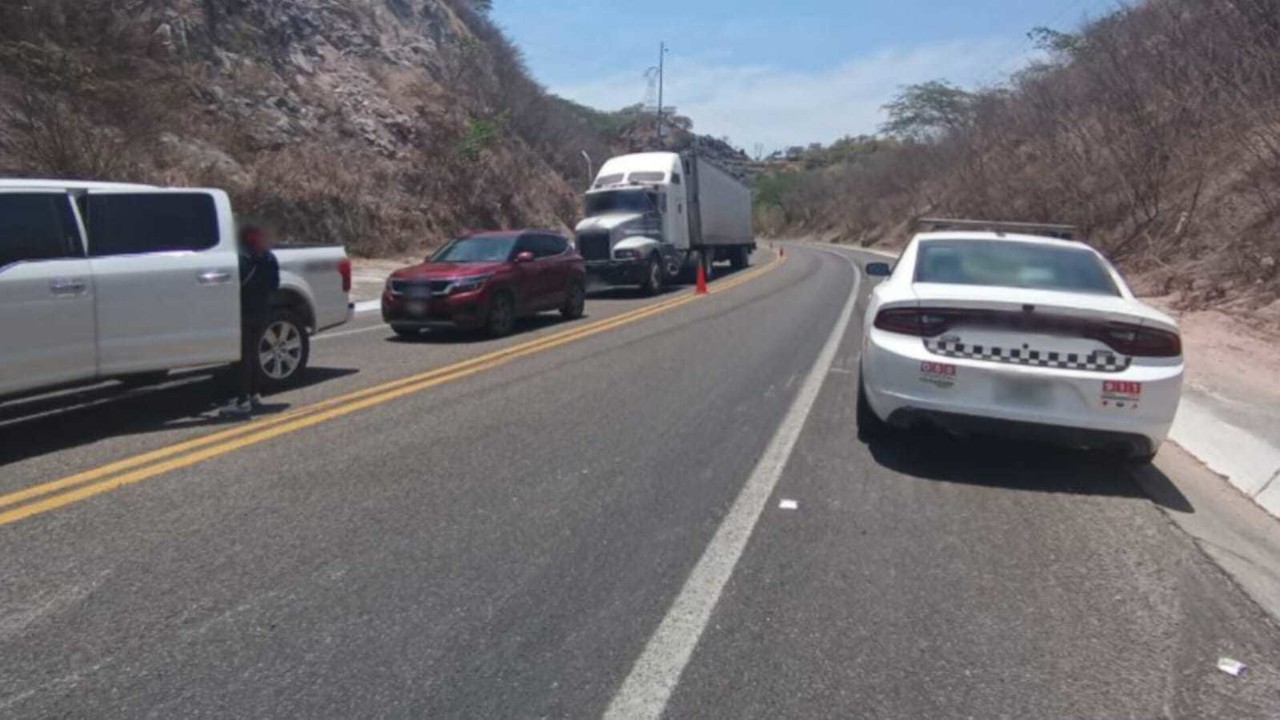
{"x": 382, "y": 124}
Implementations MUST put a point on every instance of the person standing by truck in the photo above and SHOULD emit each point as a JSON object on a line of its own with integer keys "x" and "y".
{"x": 259, "y": 280}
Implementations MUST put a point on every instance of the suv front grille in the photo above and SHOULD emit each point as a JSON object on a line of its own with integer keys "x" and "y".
{"x": 594, "y": 246}
{"x": 420, "y": 288}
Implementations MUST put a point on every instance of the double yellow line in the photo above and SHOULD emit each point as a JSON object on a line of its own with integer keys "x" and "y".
{"x": 44, "y": 497}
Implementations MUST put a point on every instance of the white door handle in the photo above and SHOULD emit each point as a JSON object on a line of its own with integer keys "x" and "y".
{"x": 67, "y": 287}
{"x": 215, "y": 277}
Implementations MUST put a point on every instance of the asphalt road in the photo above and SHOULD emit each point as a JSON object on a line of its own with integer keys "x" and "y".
{"x": 592, "y": 524}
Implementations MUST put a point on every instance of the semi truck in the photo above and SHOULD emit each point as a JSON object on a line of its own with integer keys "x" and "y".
{"x": 652, "y": 217}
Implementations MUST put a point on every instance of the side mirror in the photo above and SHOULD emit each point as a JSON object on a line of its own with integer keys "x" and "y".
{"x": 524, "y": 256}
{"x": 879, "y": 269}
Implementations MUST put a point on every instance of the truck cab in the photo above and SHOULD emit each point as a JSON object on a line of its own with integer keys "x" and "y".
{"x": 650, "y": 216}
{"x": 636, "y": 221}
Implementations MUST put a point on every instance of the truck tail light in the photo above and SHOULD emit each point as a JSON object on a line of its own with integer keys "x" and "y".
{"x": 344, "y": 269}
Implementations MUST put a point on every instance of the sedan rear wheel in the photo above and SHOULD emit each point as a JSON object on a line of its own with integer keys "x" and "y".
{"x": 869, "y": 424}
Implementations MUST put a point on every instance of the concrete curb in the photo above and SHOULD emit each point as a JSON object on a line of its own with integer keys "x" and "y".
{"x": 1248, "y": 462}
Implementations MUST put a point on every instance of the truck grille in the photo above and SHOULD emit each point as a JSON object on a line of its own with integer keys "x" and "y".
{"x": 594, "y": 245}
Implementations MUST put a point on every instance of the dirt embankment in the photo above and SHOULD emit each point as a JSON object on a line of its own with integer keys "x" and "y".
{"x": 381, "y": 125}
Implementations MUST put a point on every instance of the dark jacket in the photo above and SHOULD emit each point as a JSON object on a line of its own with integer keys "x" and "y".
{"x": 259, "y": 278}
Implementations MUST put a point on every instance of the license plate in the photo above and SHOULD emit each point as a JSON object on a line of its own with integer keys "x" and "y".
{"x": 1025, "y": 393}
{"x": 416, "y": 308}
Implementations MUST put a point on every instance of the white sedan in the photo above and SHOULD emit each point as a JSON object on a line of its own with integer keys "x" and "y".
{"x": 1017, "y": 334}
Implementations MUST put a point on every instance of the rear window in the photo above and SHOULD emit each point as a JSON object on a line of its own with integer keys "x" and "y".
{"x": 132, "y": 224}
{"x": 1004, "y": 263}
{"x": 37, "y": 226}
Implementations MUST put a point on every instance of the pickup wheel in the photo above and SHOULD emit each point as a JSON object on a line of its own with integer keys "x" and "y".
{"x": 284, "y": 348}
{"x": 502, "y": 315}
{"x": 653, "y": 277}
{"x": 575, "y": 302}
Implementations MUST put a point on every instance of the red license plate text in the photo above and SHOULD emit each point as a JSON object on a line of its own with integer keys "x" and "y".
{"x": 935, "y": 368}
{"x": 1121, "y": 387}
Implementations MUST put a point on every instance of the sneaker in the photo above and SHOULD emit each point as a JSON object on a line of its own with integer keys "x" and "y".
{"x": 236, "y": 409}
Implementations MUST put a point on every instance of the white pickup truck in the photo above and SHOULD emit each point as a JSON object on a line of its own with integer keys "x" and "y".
{"x": 106, "y": 281}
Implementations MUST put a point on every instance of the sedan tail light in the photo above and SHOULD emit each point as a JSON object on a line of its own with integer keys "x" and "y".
{"x": 1138, "y": 341}
{"x": 1125, "y": 338}
{"x": 919, "y": 322}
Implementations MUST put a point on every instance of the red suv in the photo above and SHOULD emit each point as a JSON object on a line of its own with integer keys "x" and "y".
{"x": 487, "y": 281}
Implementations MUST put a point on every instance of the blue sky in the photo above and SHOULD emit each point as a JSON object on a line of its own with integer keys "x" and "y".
{"x": 779, "y": 72}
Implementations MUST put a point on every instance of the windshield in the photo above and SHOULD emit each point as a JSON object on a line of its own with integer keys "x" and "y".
{"x": 631, "y": 201}
{"x": 492, "y": 248}
{"x": 1002, "y": 263}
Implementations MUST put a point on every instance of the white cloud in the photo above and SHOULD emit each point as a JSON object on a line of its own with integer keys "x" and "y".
{"x": 778, "y": 108}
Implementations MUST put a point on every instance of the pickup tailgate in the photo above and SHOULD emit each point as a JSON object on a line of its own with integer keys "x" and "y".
{"x": 321, "y": 276}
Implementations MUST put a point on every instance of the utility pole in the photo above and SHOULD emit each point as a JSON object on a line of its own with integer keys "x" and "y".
{"x": 590, "y": 177}
{"x": 662, "y": 66}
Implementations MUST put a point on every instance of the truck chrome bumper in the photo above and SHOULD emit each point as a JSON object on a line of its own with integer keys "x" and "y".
{"x": 616, "y": 272}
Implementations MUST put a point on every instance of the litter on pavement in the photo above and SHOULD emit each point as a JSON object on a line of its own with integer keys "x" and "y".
{"x": 789, "y": 505}
{"x": 1231, "y": 667}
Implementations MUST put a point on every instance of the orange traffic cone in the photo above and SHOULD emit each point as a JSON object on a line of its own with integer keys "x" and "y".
{"x": 702, "y": 280}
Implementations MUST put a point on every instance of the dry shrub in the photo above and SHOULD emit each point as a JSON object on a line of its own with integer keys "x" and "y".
{"x": 1140, "y": 129}
{"x": 310, "y": 194}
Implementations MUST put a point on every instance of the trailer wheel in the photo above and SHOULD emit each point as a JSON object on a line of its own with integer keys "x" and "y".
{"x": 741, "y": 257}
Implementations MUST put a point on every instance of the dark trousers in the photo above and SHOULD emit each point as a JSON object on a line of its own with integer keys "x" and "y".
{"x": 250, "y": 332}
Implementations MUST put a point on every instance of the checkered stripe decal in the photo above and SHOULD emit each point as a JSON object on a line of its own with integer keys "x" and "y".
{"x": 1099, "y": 361}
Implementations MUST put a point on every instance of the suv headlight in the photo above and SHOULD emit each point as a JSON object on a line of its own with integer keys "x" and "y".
{"x": 469, "y": 284}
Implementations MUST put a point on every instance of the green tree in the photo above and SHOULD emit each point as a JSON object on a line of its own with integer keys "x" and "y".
{"x": 929, "y": 110}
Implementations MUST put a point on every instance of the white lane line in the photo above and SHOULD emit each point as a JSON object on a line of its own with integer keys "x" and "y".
{"x": 653, "y": 678}
{"x": 344, "y": 333}
{"x": 368, "y": 306}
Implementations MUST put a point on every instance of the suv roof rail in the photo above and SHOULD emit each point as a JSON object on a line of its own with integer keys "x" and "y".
{"x": 1062, "y": 232}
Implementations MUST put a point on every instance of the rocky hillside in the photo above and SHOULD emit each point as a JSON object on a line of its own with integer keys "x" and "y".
{"x": 382, "y": 124}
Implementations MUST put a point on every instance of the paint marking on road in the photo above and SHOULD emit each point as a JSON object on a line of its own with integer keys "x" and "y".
{"x": 368, "y": 306}
{"x": 128, "y": 471}
{"x": 788, "y": 505}
{"x": 344, "y": 333}
{"x": 653, "y": 678}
